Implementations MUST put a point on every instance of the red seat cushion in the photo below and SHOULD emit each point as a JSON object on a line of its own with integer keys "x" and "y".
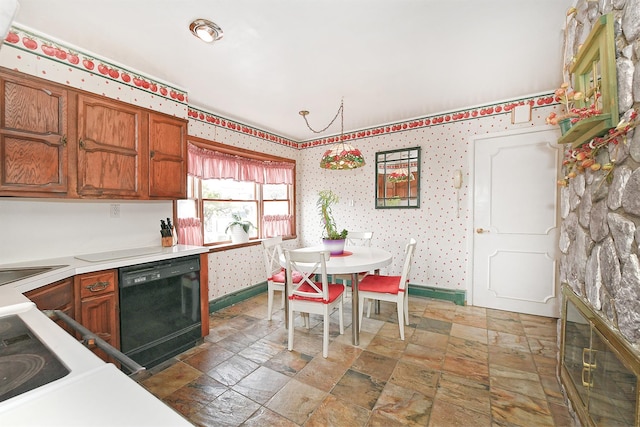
{"x": 279, "y": 277}
{"x": 334, "y": 292}
{"x": 381, "y": 284}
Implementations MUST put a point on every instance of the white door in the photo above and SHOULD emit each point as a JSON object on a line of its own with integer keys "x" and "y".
{"x": 515, "y": 230}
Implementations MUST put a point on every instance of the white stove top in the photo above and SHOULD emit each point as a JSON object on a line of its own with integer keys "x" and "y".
{"x": 71, "y": 400}
{"x": 123, "y": 253}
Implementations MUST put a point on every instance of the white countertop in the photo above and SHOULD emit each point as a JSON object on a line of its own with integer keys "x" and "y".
{"x": 94, "y": 393}
{"x": 101, "y": 397}
{"x": 70, "y": 265}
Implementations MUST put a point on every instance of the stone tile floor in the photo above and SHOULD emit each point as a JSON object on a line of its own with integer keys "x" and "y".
{"x": 458, "y": 366}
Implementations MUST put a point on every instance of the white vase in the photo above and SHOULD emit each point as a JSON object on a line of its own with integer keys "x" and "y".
{"x": 238, "y": 235}
{"x": 335, "y": 247}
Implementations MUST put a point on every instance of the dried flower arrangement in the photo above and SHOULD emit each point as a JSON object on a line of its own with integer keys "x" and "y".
{"x": 588, "y": 155}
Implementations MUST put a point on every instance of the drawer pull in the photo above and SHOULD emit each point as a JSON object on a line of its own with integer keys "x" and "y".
{"x": 97, "y": 286}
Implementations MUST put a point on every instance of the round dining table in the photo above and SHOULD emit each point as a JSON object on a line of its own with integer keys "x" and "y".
{"x": 354, "y": 260}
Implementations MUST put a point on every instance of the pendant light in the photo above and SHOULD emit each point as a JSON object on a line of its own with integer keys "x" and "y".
{"x": 341, "y": 155}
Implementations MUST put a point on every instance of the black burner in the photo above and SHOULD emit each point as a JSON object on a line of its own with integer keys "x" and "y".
{"x": 25, "y": 362}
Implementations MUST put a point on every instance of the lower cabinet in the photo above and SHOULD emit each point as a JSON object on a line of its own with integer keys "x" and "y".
{"x": 600, "y": 373}
{"x": 96, "y": 306}
{"x": 56, "y": 296}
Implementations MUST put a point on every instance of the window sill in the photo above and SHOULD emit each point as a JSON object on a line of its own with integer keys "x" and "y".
{"x": 229, "y": 246}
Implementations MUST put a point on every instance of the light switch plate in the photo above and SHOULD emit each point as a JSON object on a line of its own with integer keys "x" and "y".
{"x": 114, "y": 210}
{"x": 521, "y": 114}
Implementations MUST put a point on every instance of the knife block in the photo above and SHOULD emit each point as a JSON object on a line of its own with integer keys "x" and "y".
{"x": 167, "y": 242}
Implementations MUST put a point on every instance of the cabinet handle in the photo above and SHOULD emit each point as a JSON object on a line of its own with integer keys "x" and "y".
{"x": 63, "y": 140}
{"x": 152, "y": 153}
{"x": 81, "y": 143}
{"x": 97, "y": 286}
{"x": 591, "y": 363}
{"x": 587, "y": 384}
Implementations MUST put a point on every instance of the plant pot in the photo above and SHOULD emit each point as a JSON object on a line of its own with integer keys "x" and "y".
{"x": 565, "y": 125}
{"x": 238, "y": 235}
{"x": 335, "y": 247}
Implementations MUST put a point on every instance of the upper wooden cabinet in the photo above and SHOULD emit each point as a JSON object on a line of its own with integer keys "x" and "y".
{"x": 33, "y": 137}
{"x": 167, "y": 145}
{"x": 109, "y": 148}
{"x": 61, "y": 142}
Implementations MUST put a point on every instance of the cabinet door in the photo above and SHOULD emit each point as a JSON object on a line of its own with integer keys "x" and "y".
{"x": 109, "y": 148}
{"x": 97, "y": 306}
{"x": 33, "y": 137}
{"x": 99, "y": 315}
{"x": 167, "y": 147}
{"x": 577, "y": 341}
{"x": 56, "y": 296}
{"x": 613, "y": 394}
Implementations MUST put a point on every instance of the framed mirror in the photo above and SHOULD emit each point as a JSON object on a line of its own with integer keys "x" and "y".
{"x": 398, "y": 179}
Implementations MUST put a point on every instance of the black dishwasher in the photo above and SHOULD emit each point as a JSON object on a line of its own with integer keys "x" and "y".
{"x": 159, "y": 309}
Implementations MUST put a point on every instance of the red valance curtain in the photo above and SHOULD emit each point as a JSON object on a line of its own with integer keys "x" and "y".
{"x": 190, "y": 231}
{"x": 208, "y": 164}
{"x": 277, "y": 225}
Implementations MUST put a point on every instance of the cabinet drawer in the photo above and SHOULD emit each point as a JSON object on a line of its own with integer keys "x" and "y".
{"x": 93, "y": 284}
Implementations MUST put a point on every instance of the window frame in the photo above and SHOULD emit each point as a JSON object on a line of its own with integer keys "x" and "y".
{"x": 248, "y": 154}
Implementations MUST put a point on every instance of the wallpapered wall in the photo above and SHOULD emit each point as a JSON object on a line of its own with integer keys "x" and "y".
{"x": 442, "y": 255}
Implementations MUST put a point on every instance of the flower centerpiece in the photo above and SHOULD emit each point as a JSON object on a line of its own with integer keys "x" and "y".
{"x": 332, "y": 239}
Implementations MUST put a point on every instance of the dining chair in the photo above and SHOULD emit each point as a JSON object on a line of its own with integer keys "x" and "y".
{"x": 389, "y": 288}
{"x": 309, "y": 295}
{"x": 354, "y": 238}
{"x": 272, "y": 249}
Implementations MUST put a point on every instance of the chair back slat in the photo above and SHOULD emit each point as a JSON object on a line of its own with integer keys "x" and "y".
{"x": 409, "y": 251}
{"x": 359, "y": 238}
{"x": 315, "y": 263}
{"x": 272, "y": 253}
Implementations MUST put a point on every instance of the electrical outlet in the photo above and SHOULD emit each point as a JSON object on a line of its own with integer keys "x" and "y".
{"x": 114, "y": 210}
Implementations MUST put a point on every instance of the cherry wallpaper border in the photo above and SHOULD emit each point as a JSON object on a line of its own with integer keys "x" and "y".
{"x": 32, "y": 43}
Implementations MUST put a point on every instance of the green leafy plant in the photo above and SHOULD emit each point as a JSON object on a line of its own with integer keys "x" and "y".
{"x": 327, "y": 198}
{"x": 237, "y": 220}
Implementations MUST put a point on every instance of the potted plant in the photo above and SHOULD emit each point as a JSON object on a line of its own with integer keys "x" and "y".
{"x": 332, "y": 239}
{"x": 239, "y": 229}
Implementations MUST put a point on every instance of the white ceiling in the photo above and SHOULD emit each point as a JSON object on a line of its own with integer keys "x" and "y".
{"x": 391, "y": 60}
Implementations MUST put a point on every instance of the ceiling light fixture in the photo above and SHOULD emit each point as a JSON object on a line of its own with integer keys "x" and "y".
{"x": 206, "y": 31}
{"x": 341, "y": 155}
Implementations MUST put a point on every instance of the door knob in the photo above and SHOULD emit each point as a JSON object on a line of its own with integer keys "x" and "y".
{"x": 481, "y": 230}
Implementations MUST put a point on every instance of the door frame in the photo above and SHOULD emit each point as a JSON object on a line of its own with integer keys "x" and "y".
{"x": 471, "y": 201}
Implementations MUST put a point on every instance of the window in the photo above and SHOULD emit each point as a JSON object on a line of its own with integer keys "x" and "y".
{"x": 212, "y": 201}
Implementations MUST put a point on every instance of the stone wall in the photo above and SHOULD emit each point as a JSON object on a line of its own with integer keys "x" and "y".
{"x": 600, "y": 210}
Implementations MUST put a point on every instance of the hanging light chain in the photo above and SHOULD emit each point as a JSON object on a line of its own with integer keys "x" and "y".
{"x": 340, "y": 112}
